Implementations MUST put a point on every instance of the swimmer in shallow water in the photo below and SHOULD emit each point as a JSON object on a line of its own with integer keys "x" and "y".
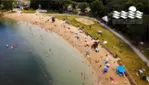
{"x": 11, "y": 47}
{"x": 14, "y": 46}
{"x": 50, "y": 49}
{"x": 7, "y": 46}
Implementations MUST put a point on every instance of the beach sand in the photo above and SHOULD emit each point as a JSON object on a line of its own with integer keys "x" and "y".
{"x": 68, "y": 32}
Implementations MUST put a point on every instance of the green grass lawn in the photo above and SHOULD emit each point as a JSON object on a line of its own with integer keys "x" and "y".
{"x": 28, "y": 11}
{"x": 4, "y": 10}
{"x": 128, "y": 57}
{"x": 143, "y": 48}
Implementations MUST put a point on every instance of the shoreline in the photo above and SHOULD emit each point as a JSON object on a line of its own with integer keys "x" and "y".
{"x": 68, "y": 32}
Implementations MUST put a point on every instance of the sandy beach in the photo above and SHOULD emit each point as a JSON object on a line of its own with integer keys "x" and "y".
{"x": 69, "y": 33}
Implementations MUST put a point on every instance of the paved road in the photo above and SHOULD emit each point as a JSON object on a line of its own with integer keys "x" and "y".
{"x": 137, "y": 51}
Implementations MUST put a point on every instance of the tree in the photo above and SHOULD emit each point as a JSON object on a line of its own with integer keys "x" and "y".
{"x": 136, "y": 32}
{"x": 7, "y": 4}
{"x": 101, "y": 8}
{"x": 83, "y": 6}
{"x": 88, "y": 1}
{"x": 44, "y": 4}
{"x": 97, "y": 7}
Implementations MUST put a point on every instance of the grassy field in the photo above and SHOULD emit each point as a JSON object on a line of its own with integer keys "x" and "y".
{"x": 144, "y": 48}
{"x": 4, "y": 10}
{"x": 128, "y": 57}
{"x": 28, "y": 11}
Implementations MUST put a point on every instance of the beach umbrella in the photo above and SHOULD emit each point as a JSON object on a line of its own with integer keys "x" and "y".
{"x": 121, "y": 69}
{"x": 105, "y": 69}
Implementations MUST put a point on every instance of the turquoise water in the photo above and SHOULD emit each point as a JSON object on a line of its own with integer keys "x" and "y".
{"x": 40, "y": 57}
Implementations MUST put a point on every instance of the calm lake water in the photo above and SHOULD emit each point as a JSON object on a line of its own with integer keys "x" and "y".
{"x": 40, "y": 57}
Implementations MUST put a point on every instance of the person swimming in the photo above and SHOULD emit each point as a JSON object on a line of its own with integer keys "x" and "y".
{"x": 14, "y": 46}
{"x": 11, "y": 47}
{"x": 7, "y": 46}
{"x": 50, "y": 49}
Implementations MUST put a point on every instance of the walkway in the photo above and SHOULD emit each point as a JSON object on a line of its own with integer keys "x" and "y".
{"x": 136, "y": 50}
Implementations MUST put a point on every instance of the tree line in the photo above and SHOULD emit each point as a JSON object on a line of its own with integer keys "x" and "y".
{"x": 99, "y": 8}
{"x": 6, "y": 4}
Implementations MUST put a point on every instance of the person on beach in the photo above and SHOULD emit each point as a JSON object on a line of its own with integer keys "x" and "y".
{"x": 107, "y": 64}
{"x": 85, "y": 39}
{"x": 37, "y": 12}
{"x": 87, "y": 44}
{"x": 81, "y": 73}
{"x": 105, "y": 69}
{"x": 78, "y": 37}
{"x": 112, "y": 79}
{"x": 88, "y": 52}
{"x": 97, "y": 49}
{"x": 53, "y": 19}
{"x": 95, "y": 44}
{"x": 19, "y": 12}
{"x": 106, "y": 57}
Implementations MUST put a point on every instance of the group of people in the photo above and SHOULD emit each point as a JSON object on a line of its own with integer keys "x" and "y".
{"x": 95, "y": 46}
{"x": 12, "y": 46}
